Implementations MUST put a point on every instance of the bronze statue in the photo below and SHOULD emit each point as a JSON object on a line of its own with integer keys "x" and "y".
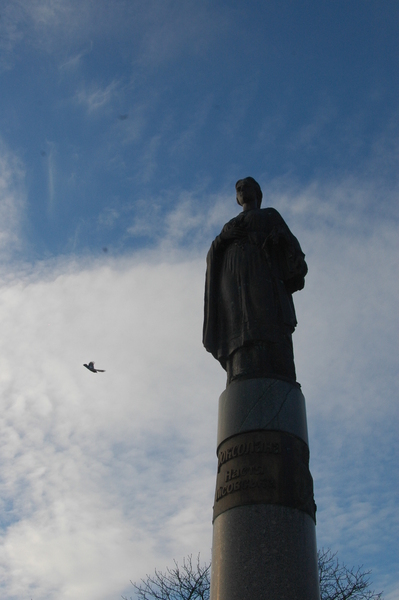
{"x": 253, "y": 268}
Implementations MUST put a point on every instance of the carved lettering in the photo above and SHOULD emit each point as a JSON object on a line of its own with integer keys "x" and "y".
{"x": 269, "y": 467}
{"x": 260, "y": 446}
{"x": 245, "y": 484}
{"x": 244, "y": 472}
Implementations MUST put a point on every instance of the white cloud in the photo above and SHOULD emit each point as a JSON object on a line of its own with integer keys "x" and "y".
{"x": 12, "y": 202}
{"x": 188, "y": 136}
{"x": 74, "y": 61}
{"x": 10, "y": 35}
{"x": 40, "y": 23}
{"x": 97, "y": 468}
{"x": 94, "y": 97}
{"x": 162, "y": 31}
{"x": 190, "y": 220}
{"x": 175, "y": 29}
{"x": 105, "y": 477}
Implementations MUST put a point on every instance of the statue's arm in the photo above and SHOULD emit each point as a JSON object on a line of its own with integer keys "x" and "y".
{"x": 230, "y": 233}
{"x": 287, "y": 252}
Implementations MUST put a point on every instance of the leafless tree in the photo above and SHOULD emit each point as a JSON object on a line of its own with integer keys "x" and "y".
{"x": 192, "y": 581}
{"x": 338, "y": 582}
{"x": 188, "y": 582}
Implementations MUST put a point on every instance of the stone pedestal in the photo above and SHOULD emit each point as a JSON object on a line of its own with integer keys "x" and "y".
{"x": 264, "y": 542}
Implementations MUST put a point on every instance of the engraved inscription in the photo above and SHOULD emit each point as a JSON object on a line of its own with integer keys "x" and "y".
{"x": 244, "y": 472}
{"x": 247, "y": 448}
{"x": 245, "y": 484}
{"x": 263, "y": 467}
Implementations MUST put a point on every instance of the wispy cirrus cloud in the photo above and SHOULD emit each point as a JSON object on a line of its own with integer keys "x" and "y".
{"x": 40, "y": 24}
{"x": 75, "y": 60}
{"x": 118, "y": 469}
{"x": 162, "y": 31}
{"x": 189, "y": 223}
{"x": 172, "y": 29}
{"x": 12, "y": 201}
{"x": 105, "y": 477}
{"x": 95, "y": 97}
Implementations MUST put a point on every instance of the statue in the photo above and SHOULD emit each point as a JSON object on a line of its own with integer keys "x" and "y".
{"x": 253, "y": 268}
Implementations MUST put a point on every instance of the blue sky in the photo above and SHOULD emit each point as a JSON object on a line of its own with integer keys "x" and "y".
{"x": 124, "y": 126}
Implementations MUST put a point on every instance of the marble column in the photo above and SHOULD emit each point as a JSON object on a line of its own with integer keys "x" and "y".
{"x": 264, "y": 542}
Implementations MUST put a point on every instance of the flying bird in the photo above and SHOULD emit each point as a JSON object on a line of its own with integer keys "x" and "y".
{"x": 91, "y": 368}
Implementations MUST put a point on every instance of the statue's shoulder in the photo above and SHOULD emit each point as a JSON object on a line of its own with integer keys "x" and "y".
{"x": 270, "y": 215}
{"x": 271, "y": 212}
{"x": 233, "y": 222}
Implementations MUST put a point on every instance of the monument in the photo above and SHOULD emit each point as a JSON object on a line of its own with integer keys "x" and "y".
{"x": 264, "y": 542}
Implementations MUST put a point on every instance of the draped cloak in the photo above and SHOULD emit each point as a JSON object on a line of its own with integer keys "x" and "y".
{"x": 250, "y": 282}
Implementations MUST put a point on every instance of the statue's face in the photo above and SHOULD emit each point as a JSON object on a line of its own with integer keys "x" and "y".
{"x": 246, "y": 192}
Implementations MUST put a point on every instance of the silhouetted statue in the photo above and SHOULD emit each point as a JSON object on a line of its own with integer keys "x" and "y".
{"x": 253, "y": 268}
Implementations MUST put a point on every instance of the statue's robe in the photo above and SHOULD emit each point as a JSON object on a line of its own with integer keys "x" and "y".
{"x": 249, "y": 284}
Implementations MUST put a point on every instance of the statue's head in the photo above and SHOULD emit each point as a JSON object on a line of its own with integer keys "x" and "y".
{"x": 248, "y": 189}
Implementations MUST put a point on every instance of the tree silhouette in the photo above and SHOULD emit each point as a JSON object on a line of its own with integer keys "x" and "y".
{"x": 338, "y": 582}
{"x": 191, "y": 581}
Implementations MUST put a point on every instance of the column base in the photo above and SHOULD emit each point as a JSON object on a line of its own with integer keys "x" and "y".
{"x": 264, "y": 552}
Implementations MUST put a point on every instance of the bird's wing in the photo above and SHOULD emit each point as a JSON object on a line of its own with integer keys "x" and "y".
{"x": 91, "y": 365}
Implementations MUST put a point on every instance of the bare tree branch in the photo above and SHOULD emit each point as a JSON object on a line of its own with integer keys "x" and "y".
{"x": 192, "y": 581}
{"x": 188, "y": 582}
{"x": 338, "y": 582}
